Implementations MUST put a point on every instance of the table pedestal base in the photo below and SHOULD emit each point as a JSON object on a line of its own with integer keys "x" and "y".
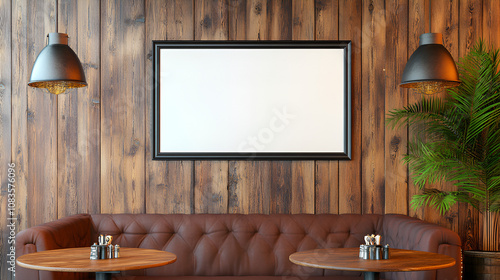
{"x": 372, "y": 275}
{"x": 104, "y": 275}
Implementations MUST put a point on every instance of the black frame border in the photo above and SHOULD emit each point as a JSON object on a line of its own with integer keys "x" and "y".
{"x": 158, "y": 45}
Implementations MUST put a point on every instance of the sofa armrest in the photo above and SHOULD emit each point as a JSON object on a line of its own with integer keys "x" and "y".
{"x": 403, "y": 232}
{"x": 68, "y": 232}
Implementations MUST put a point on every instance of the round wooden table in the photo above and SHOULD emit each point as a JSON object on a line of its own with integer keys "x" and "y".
{"x": 348, "y": 259}
{"x": 78, "y": 260}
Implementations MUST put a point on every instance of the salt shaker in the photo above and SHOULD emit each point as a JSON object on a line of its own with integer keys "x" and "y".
{"x": 110, "y": 251}
{"x": 93, "y": 252}
{"x": 117, "y": 251}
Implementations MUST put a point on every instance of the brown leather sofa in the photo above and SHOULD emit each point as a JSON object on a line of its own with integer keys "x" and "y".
{"x": 241, "y": 247}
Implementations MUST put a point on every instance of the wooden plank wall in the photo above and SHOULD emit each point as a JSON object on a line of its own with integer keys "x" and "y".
{"x": 89, "y": 151}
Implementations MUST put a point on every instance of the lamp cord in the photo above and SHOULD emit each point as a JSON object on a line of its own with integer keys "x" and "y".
{"x": 430, "y": 4}
{"x": 57, "y": 16}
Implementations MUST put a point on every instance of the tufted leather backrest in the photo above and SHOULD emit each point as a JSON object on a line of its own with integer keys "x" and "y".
{"x": 233, "y": 244}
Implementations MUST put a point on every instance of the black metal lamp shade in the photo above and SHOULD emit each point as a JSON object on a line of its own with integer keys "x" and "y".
{"x": 431, "y": 67}
{"x": 57, "y": 67}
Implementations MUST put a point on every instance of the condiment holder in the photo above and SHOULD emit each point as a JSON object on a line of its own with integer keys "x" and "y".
{"x": 105, "y": 250}
{"x": 372, "y": 250}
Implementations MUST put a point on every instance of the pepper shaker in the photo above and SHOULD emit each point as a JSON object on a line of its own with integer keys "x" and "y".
{"x": 378, "y": 252}
{"x": 372, "y": 252}
{"x": 385, "y": 252}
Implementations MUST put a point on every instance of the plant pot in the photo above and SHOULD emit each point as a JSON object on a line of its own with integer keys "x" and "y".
{"x": 481, "y": 265}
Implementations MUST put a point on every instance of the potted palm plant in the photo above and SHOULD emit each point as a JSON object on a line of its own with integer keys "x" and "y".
{"x": 457, "y": 139}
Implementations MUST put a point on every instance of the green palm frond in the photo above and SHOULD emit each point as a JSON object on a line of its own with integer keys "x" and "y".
{"x": 457, "y": 138}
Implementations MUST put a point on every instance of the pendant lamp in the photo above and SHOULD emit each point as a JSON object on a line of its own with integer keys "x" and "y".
{"x": 57, "y": 67}
{"x": 431, "y": 67}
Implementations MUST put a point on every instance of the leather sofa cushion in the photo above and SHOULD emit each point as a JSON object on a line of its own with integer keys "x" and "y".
{"x": 235, "y": 245}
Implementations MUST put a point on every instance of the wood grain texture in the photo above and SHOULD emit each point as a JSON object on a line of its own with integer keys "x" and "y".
{"x": 326, "y": 179}
{"x": 78, "y": 121}
{"x": 491, "y": 21}
{"x": 42, "y": 122}
{"x": 122, "y": 107}
{"x": 373, "y": 146}
{"x": 211, "y": 187}
{"x": 327, "y": 19}
{"x": 77, "y": 260}
{"x": 279, "y": 20}
{"x": 396, "y": 173}
{"x": 5, "y": 133}
{"x": 350, "y": 28}
{"x": 281, "y": 191}
{"x": 416, "y": 27}
{"x": 20, "y": 78}
{"x": 303, "y": 20}
{"x": 211, "y": 179}
{"x": 211, "y": 20}
{"x": 327, "y": 187}
{"x": 169, "y": 184}
{"x": 470, "y": 24}
{"x": 248, "y": 20}
{"x": 249, "y": 187}
{"x": 348, "y": 259}
{"x": 302, "y": 187}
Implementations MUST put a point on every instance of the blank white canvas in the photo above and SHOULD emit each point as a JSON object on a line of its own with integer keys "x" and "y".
{"x": 234, "y": 100}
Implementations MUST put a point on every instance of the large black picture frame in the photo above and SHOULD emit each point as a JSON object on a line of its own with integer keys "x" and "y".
{"x": 184, "y": 128}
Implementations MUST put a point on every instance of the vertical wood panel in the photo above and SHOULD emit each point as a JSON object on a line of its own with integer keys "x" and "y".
{"x": 327, "y": 19}
{"x": 123, "y": 107}
{"x": 249, "y": 181}
{"x": 249, "y": 190}
{"x": 445, "y": 20}
{"x": 373, "y": 52}
{"x": 281, "y": 192}
{"x": 327, "y": 172}
{"x": 350, "y": 172}
{"x": 469, "y": 223}
{"x": 491, "y": 22}
{"x": 211, "y": 179}
{"x": 79, "y": 114}
{"x": 169, "y": 184}
{"x": 211, "y": 20}
{"x": 302, "y": 187}
{"x": 5, "y": 130}
{"x": 303, "y": 20}
{"x": 327, "y": 191}
{"x": 19, "y": 107}
{"x": 279, "y": 20}
{"x": 396, "y": 174}
{"x": 42, "y": 122}
{"x": 416, "y": 27}
{"x": 248, "y": 20}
